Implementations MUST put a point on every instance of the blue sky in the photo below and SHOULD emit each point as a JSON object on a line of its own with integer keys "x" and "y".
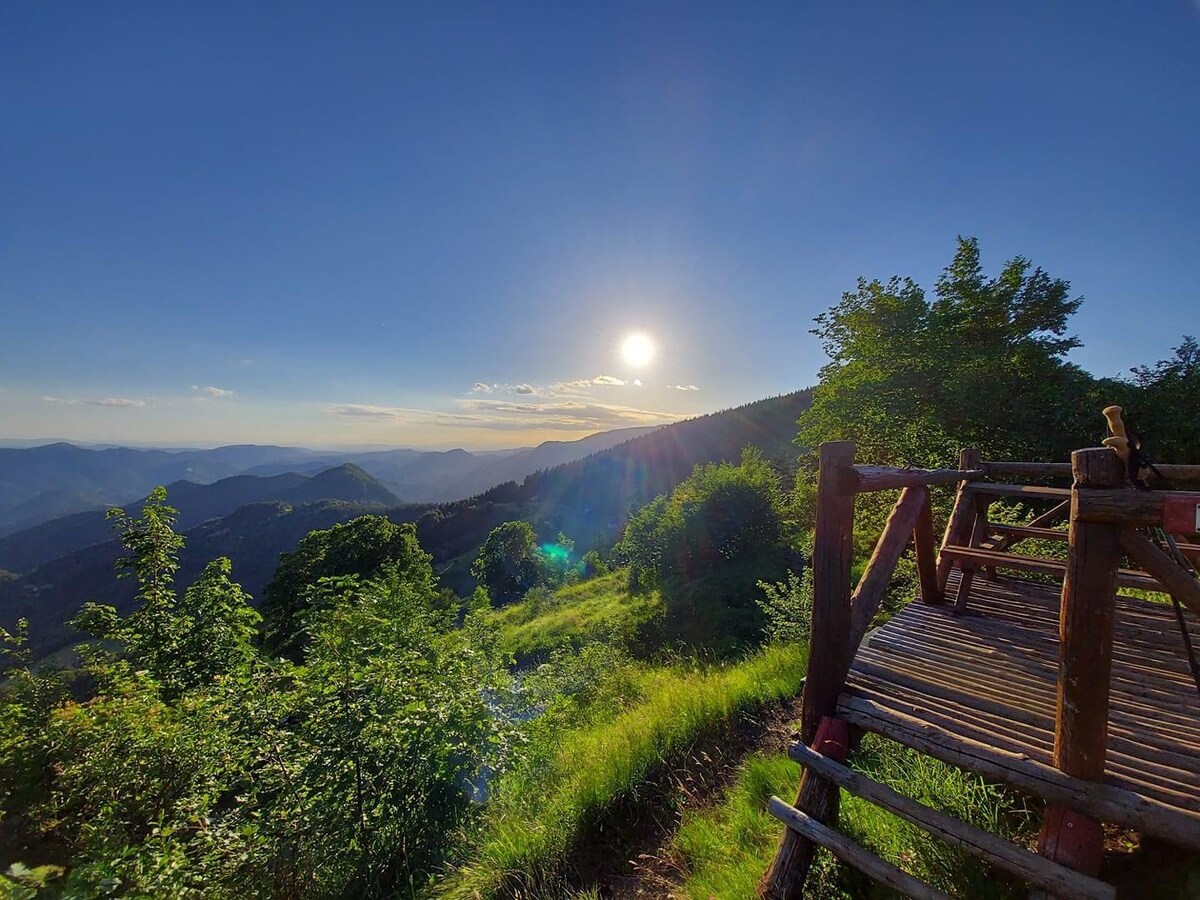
{"x": 325, "y": 224}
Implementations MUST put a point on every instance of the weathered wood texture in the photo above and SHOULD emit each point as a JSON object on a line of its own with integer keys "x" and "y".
{"x": 833, "y": 555}
{"x": 1086, "y": 630}
{"x": 848, "y": 851}
{"x": 828, "y": 661}
{"x": 978, "y": 534}
{"x": 1177, "y": 581}
{"x": 1024, "y": 491}
{"x": 818, "y": 798}
{"x": 1041, "y": 565}
{"x": 863, "y": 479}
{"x": 877, "y": 576}
{"x": 926, "y": 553}
{"x": 1088, "y": 610}
{"x": 1180, "y": 474}
{"x": 962, "y": 516}
{"x": 979, "y": 691}
{"x": 1125, "y": 506}
{"x": 995, "y": 850}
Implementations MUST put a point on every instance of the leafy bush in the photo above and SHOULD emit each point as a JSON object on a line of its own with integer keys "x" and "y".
{"x": 787, "y": 606}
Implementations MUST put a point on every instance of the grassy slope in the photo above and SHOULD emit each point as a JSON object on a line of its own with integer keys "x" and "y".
{"x": 724, "y": 850}
{"x": 541, "y": 815}
{"x": 601, "y": 607}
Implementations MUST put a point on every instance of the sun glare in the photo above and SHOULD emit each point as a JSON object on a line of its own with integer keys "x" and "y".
{"x": 637, "y": 350}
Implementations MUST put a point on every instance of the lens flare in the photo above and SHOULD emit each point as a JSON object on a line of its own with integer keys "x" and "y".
{"x": 637, "y": 350}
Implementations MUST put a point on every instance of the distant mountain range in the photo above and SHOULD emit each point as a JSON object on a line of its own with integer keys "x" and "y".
{"x": 41, "y": 483}
{"x": 253, "y": 518}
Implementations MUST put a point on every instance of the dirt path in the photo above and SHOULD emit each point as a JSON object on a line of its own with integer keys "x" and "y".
{"x": 652, "y": 869}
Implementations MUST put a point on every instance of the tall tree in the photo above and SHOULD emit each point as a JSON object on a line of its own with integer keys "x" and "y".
{"x": 366, "y": 547}
{"x": 1166, "y": 408}
{"x": 509, "y": 562}
{"x": 983, "y": 364}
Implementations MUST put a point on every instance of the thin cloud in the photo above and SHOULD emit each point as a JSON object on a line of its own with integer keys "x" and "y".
{"x": 683, "y": 387}
{"x": 507, "y": 415}
{"x": 574, "y": 387}
{"x": 213, "y": 393}
{"x": 120, "y": 402}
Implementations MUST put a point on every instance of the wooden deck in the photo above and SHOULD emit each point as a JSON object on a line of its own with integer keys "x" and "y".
{"x": 979, "y": 690}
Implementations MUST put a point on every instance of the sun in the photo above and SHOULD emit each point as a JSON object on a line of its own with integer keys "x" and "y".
{"x": 637, "y": 350}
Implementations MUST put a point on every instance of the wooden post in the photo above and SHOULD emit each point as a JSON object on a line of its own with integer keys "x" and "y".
{"x": 958, "y": 528}
{"x": 979, "y": 532}
{"x": 877, "y": 576}
{"x": 833, "y": 555}
{"x": 926, "y": 552}
{"x": 1084, "y": 662}
{"x": 828, "y": 662}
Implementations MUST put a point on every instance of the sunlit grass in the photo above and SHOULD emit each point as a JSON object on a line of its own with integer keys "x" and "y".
{"x": 542, "y": 814}
{"x": 571, "y": 616}
{"x": 725, "y": 850}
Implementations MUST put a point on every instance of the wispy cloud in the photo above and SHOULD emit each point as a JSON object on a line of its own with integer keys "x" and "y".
{"x": 213, "y": 393}
{"x": 683, "y": 387}
{"x": 509, "y": 415}
{"x": 125, "y": 402}
{"x": 574, "y": 387}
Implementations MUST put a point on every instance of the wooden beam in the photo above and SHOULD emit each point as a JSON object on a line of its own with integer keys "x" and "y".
{"x": 1097, "y": 799}
{"x": 878, "y": 574}
{"x": 1028, "y": 469}
{"x": 978, "y": 533}
{"x": 1019, "y": 490}
{"x": 1087, "y": 611}
{"x": 1022, "y": 532}
{"x": 1042, "y": 566}
{"x": 1176, "y": 580}
{"x": 991, "y": 848}
{"x": 1125, "y": 506}
{"x": 926, "y": 552}
{"x": 958, "y": 527}
{"x": 849, "y": 852}
{"x": 1055, "y": 513}
{"x": 863, "y": 479}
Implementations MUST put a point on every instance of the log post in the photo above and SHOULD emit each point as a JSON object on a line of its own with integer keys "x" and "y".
{"x": 828, "y": 662}
{"x": 979, "y": 533}
{"x": 926, "y": 552}
{"x": 958, "y": 528}
{"x": 1084, "y": 662}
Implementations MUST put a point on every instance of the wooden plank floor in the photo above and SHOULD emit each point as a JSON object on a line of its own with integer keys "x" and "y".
{"x": 989, "y": 677}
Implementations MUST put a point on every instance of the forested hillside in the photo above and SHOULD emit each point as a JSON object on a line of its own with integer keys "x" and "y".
{"x": 589, "y": 500}
{"x": 383, "y": 727}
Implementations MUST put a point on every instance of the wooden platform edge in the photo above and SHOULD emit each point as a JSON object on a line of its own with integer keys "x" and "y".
{"x": 1101, "y": 801}
{"x": 1027, "y": 865}
{"x": 849, "y": 852}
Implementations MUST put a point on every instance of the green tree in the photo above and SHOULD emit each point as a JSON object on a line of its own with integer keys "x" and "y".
{"x": 366, "y": 546}
{"x": 982, "y": 364}
{"x": 1165, "y": 410}
{"x": 509, "y": 562}
{"x": 707, "y": 545}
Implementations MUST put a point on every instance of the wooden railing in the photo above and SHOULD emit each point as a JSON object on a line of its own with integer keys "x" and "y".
{"x": 1102, "y": 510}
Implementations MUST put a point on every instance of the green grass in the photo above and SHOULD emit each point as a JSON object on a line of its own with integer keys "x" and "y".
{"x": 573, "y": 615}
{"x": 726, "y": 849}
{"x": 543, "y": 813}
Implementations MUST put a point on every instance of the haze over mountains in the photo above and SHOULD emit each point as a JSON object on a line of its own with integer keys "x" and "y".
{"x": 42, "y": 483}
{"x": 65, "y": 562}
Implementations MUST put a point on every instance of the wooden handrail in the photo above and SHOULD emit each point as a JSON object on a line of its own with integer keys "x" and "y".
{"x": 864, "y": 479}
{"x": 1172, "y": 472}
